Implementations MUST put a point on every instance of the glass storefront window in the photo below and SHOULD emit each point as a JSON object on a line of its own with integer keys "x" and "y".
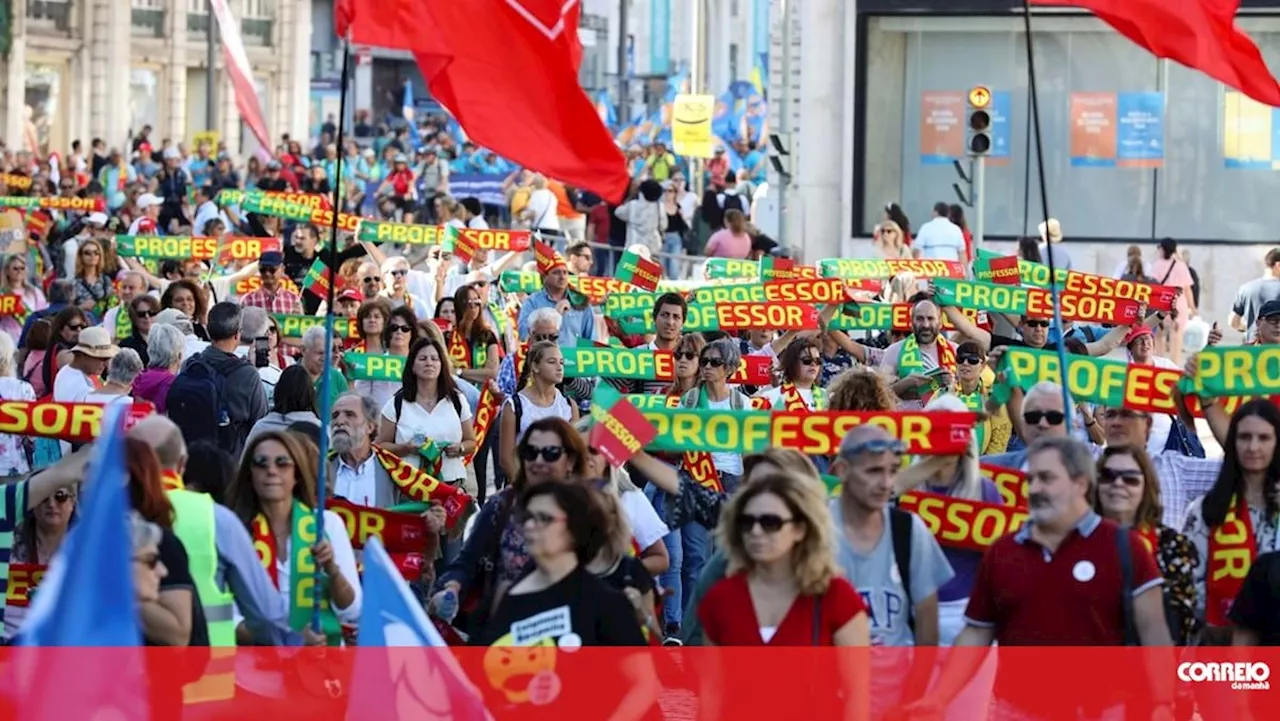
{"x": 43, "y": 92}
{"x": 144, "y": 98}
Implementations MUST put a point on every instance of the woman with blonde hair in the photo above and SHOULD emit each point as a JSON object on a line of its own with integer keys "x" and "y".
{"x": 861, "y": 389}
{"x": 13, "y": 448}
{"x": 891, "y": 241}
{"x": 14, "y": 282}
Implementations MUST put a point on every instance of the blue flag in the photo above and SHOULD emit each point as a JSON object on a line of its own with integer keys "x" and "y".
{"x": 87, "y": 599}
{"x": 408, "y": 109}
{"x": 416, "y": 674}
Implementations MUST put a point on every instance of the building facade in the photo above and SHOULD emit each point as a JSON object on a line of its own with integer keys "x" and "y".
{"x": 79, "y": 69}
{"x": 1135, "y": 148}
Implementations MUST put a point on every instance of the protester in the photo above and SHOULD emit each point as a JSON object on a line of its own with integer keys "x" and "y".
{"x": 294, "y": 401}
{"x": 536, "y": 397}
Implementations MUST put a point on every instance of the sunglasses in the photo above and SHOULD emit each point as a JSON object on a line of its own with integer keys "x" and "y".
{"x": 1036, "y": 323}
{"x": 1125, "y": 413}
{"x": 62, "y": 495}
{"x": 399, "y": 273}
{"x": 768, "y": 522}
{"x": 1055, "y": 418}
{"x": 711, "y": 362}
{"x": 148, "y": 561}
{"x": 969, "y": 360}
{"x": 539, "y": 518}
{"x": 266, "y": 461}
{"x": 553, "y": 337}
{"x": 686, "y": 355}
{"x": 76, "y": 327}
{"x": 399, "y": 328}
{"x": 1132, "y": 479}
{"x": 372, "y": 279}
{"x": 268, "y": 269}
{"x": 147, "y": 313}
{"x": 878, "y": 445}
{"x": 550, "y": 454}
{"x": 811, "y": 361}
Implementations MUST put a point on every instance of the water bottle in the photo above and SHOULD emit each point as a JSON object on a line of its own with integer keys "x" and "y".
{"x": 447, "y": 606}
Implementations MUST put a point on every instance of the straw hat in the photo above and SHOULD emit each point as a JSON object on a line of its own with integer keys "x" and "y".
{"x": 1051, "y": 231}
{"x": 95, "y": 342}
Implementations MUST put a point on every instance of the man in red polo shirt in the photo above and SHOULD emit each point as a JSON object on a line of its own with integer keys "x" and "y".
{"x": 1058, "y": 581}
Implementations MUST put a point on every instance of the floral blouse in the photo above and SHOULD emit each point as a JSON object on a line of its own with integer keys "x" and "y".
{"x": 1197, "y": 532}
{"x": 1178, "y": 560}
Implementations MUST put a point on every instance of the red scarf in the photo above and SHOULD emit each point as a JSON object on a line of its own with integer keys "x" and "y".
{"x": 264, "y": 542}
{"x": 171, "y": 481}
{"x": 1232, "y": 548}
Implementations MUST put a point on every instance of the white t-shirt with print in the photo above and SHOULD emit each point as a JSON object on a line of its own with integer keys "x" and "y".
{"x": 726, "y": 462}
{"x": 646, "y": 527}
{"x": 442, "y": 424}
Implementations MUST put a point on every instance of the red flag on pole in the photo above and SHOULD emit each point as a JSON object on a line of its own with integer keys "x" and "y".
{"x": 508, "y": 71}
{"x": 1200, "y": 34}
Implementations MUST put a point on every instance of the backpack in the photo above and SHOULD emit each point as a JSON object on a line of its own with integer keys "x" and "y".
{"x": 900, "y": 523}
{"x": 733, "y": 201}
{"x": 736, "y": 402}
{"x": 196, "y": 402}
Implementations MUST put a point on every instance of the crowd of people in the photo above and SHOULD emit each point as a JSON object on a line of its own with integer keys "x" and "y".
{"x": 531, "y": 537}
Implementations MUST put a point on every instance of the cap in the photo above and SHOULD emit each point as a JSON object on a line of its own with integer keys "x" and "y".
{"x": 401, "y": 158}
{"x": 1270, "y": 308}
{"x": 99, "y": 219}
{"x": 1051, "y": 231}
{"x": 95, "y": 342}
{"x": 272, "y": 258}
{"x": 351, "y": 294}
{"x": 149, "y": 200}
{"x": 548, "y": 258}
{"x": 170, "y": 316}
{"x": 1138, "y": 331}
{"x": 172, "y": 154}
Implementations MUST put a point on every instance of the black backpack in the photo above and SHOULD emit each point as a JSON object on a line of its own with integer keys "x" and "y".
{"x": 733, "y": 201}
{"x": 900, "y": 523}
{"x": 197, "y": 404}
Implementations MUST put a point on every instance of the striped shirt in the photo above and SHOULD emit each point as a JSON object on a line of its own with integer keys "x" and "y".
{"x": 12, "y": 508}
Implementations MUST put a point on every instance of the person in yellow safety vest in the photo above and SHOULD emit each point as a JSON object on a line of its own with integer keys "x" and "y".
{"x": 219, "y": 548}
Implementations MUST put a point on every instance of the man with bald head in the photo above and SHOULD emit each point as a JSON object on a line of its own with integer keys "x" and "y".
{"x": 223, "y": 563}
{"x": 923, "y": 362}
{"x": 116, "y": 320}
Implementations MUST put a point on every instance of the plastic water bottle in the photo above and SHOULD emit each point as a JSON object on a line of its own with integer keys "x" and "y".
{"x": 447, "y": 606}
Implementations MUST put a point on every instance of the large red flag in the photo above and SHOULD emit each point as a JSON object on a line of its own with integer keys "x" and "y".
{"x": 508, "y": 71}
{"x": 1200, "y": 34}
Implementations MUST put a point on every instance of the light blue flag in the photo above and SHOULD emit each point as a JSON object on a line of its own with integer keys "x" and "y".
{"x": 409, "y": 110}
{"x": 417, "y": 675}
{"x": 87, "y": 599}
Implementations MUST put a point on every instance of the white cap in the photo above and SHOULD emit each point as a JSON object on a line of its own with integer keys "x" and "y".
{"x": 99, "y": 219}
{"x": 149, "y": 200}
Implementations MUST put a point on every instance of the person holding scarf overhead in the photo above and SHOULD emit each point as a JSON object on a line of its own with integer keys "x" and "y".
{"x": 473, "y": 346}
{"x": 923, "y": 362}
{"x": 992, "y": 433}
{"x": 801, "y": 363}
{"x": 274, "y": 495}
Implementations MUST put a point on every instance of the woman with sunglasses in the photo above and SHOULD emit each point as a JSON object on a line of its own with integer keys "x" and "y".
{"x": 565, "y": 527}
{"x": 65, "y": 334}
{"x": 92, "y": 284}
{"x": 274, "y": 495}
{"x": 395, "y": 272}
{"x": 473, "y": 346}
{"x": 493, "y": 554}
{"x": 1129, "y": 494}
{"x": 537, "y": 396}
{"x": 14, "y": 282}
{"x": 688, "y": 350}
{"x": 992, "y": 433}
{"x": 801, "y": 363}
{"x": 783, "y": 586}
{"x": 37, "y": 538}
{"x": 142, "y": 309}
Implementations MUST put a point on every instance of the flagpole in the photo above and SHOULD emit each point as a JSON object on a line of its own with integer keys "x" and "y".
{"x": 1044, "y": 207}
{"x": 326, "y": 404}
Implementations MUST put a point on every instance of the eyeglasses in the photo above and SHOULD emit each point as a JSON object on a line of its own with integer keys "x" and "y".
{"x": 768, "y": 522}
{"x": 969, "y": 360}
{"x": 539, "y": 518}
{"x": 372, "y": 279}
{"x": 552, "y": 337}
{"x": 711, "y": 362}
{"x": 148, "y": 561}
{"x": 550, "y": 454}
{"x": 1131, "y": 478}
{"x": 1125, "y": 413}
{"x": 878, "y": 445}
{"x": 1036, "y": 323}
{"x": 686, "y": 355}
{"x": 75, "y": 327}
{"x": 400, "y": 328}
{"x": 1055, "y": 418}
{"x": 266, "y": 461}
{"x": 811, "y": 360}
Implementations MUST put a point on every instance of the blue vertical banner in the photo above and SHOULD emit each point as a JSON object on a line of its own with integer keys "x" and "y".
{"x": 660, "y": 37}
{"x": 760, "y": 27}
{"x": 1001, "y": 129}
{"x": 1140, "y": 130}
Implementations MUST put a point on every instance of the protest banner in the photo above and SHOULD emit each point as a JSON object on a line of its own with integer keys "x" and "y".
{"x": 374, "y": 367}
{"x": 516, "y": 281}
{"x": 643, "y": 364}
{"x": 880, "y": 268}
{"x": 57, "y": 202}
{"x": 1002, "y": 270}
{"x": 645, "y": 401}
{"x": 23, "y": 580}
{"x": 620, "y": 430}
{"x": 399, "y": 532}
{"x": 379, "y": 232}
{"x": 1108, "y": 383}
{"x": 814, "y": 433}
{"x": 195, "y": 248}
{"x": 640, "y": 272}
{"x": 1035, "y": 302}
{"x": 1238, "y": 370}
{"x": 293, "y": 326}
{"x": 71, "y": 422}
{"x": 255, "y": 201}
{"x": 14, "y": 181}
{"x": 718, "y": 268}
{"x": 233, "y": 196}
{"x": 486, "y": 412}
{"x": 254, "y": 282}
{"x": 805, "y": 290}
{"x": 962, "y": 523}
{"x": 896, "y": 317}
{"x": 730, "y": 317}
{"x": 1011, "y": 482}
{"x": 12, "y": 305}
{"x": 1156, "y": 296}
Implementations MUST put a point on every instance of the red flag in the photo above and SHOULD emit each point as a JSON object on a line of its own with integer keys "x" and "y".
{"x": 1200, "y": 34}
{"x": 508, "y": 71}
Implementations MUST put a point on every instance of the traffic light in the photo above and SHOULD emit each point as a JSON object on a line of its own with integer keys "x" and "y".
{"x": 979, "y": 125}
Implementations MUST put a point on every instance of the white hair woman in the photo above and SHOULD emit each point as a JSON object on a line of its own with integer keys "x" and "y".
{"x": 123, "y": 369}
{"x": 165, "y": 344}
{"x": 13, "y": 454}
